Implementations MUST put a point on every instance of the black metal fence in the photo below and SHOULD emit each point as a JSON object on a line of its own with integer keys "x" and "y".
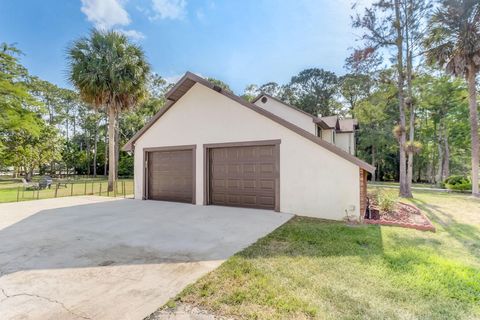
{"x": 122, "y": 188}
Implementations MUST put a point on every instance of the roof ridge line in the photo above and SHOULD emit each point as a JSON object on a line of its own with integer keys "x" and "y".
{"x": 193, "y": 77}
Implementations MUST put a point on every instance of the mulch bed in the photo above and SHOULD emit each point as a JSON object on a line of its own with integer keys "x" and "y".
{"x": 405, "y": 215}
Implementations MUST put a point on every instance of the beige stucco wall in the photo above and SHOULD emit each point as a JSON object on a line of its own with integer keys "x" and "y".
{"x": 313, "y": 181}
{"x": 327, "y": 135}
{"x": 345, "y": 141}
{"x": 296, "y": 117}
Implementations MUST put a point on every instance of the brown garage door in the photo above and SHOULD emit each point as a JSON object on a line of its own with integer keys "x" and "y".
{"x": 170, "y": 175}
{"x": 243, "y": 176}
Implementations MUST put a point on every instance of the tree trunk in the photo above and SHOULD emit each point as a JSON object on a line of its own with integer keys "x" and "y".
{"x": 68, "y": 143}
{"x": 430, "y": 171}
{"x": 88, "y": 154}
{"x": 408, "y": 193}
{"x": 446, "y": 158}
{"x": 472, "y": 99}
{"x": 74, "y": 124}
{"x": 419, "y": 176}
{"x": 111, "y": 147}
{"x": 439, "y": 177}
{"x": 411, "y": 106}
{"x": 401, "y": 104}
{"x": 29, "y": 174}
{"x": 410, "y": 149}
{"x": 373, "y": 164}
{"x": 95, "y": 144}
{"x": 105, "y": 163}
{"x": 117, "y": 143}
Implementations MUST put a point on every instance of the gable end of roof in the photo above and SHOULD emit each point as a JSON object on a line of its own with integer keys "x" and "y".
{"x": 187, "y": 82}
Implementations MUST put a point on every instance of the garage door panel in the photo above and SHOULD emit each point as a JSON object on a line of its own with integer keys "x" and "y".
{"x": 233, "y": 199}
{"x": 234, "y": 169}
{"x": 249, "y": 184}
{"x": 243, "y": 176}
{"x": 219, "y": 198}
{"x": 266, "y": 169}
{"x": 234, "y": 184}
{"x": 219, "y": 170}
{"x": 219, "y": 183}
{"x": 267, "y": 201}
{"x": 220, "y": 155}
{"x": 265, "y": 152}
{"x": 267, "y": 185}
{"x": 250, "y": 199}
{"x": 170, "y": 175}
{"x": 249, "y": 168}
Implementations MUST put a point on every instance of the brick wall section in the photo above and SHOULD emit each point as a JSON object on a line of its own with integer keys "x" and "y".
{"x": 363, "y": 192}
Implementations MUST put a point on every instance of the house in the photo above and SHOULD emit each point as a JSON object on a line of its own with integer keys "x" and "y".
{"x": 340, "y": 132}
{"x": 207, "y": 146}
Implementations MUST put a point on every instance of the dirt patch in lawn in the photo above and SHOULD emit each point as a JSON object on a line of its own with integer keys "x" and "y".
{"x": 404, "y": 215}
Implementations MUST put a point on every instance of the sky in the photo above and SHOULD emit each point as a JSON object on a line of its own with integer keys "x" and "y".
{"x": 240, "y": 42}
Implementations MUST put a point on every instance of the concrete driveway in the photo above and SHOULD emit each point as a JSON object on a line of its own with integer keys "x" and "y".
{"x": 100, "y": 258}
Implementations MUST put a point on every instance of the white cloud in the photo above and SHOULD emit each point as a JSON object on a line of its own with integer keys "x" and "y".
{"x": 104, "y": 14}
{"x": 133, "y": 34}
{"x": 107, "y": 14}
{"x": 169, "y": 9}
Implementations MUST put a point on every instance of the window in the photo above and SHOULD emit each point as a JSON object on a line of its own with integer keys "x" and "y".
{"x": 319, "y": 132}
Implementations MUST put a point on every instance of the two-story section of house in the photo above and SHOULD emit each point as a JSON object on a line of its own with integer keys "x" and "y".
{"x": 333, "y": 129}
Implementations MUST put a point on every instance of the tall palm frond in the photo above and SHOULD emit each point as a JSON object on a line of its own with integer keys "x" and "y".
{"x": 453, "y": 40}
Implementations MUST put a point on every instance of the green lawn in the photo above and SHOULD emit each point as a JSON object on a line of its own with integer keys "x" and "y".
{"x": 311, "y": 268}
{"x": 396, "y": 184}
{"x": 10, "y": 189}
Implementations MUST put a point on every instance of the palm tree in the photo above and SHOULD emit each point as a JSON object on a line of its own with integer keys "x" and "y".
{"x": 453, "y": 42}
{"x": 111, "y": 73}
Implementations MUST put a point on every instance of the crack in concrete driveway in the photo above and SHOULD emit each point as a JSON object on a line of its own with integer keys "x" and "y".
{"x": 113, "y": 259}
{"x": 8, "y": 296}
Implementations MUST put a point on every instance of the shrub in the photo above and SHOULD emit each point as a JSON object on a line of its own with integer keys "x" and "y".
{"x": 458, "y": 183}
{"x": 387, "y": 201}
{"x": 455, "y": 179}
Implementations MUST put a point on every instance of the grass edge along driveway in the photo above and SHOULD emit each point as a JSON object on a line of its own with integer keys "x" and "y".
{"x": 312, "y": 268}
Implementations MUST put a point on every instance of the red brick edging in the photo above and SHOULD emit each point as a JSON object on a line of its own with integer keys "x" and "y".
{"x": 421, "y": 227}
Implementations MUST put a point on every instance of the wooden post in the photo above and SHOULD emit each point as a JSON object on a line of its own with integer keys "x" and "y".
{"x": 93, "y": 192}
{"x": 108, "y": 192}
{"x": 100, "y": 188}
{"x": 71, "y": 189}
{"x": 123, "y": 188}
{"x": 56, "y": 190}
{"x": 18, "y": 193}
{"x": 85, "y": 189}
{"x": 115, "y": 186}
